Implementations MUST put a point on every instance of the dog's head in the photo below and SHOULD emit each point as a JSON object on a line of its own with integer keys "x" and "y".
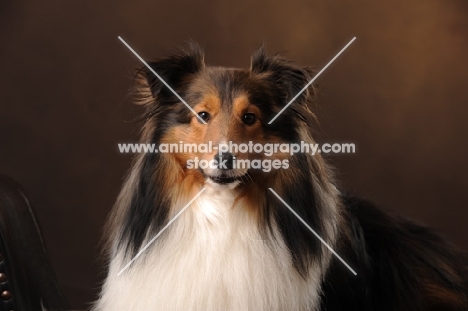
{"x": 226, "y": 106}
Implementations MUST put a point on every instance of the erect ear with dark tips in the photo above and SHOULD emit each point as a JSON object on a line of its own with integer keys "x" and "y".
{"x": 288, "y": 77}
{"x": 174, "y": 70}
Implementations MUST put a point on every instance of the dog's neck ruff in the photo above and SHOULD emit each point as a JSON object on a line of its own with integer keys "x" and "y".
{"x": 212, "y": 258}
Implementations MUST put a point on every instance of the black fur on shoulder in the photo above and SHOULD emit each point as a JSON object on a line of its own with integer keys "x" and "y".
{"x": 400, "y": 266}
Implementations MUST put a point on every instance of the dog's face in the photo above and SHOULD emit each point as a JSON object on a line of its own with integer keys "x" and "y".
{"x": 235, "y": 106}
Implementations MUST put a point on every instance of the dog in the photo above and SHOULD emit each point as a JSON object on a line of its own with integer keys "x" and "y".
{"x": 236, "y": 246}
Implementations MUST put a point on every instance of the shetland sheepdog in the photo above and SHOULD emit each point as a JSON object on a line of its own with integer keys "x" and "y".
{"x": 237, "y": 246}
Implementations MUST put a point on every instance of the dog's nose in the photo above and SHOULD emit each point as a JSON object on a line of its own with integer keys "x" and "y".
{"x": 225, "y": 160}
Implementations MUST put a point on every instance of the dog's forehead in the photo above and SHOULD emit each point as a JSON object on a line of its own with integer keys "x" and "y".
{"x": 226, "y": 84}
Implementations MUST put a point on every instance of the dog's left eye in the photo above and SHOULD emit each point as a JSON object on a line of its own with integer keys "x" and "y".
{"x": 249, "y": 118}
{"x": 205, "y": 116}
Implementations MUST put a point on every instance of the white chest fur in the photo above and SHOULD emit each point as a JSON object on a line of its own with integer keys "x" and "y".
{"x": 211, "y": 258}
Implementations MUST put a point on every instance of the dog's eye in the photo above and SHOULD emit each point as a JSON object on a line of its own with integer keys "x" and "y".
{"x": 249, "y": 118}
{"x": 204, "y": 115}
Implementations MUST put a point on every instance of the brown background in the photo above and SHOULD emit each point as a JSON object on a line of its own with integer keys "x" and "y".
{"x": 399, "y": 92}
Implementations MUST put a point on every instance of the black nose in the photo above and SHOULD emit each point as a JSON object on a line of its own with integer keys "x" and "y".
{"x": 225, "y": 160}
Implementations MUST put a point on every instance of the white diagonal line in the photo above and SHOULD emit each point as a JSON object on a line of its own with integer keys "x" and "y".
{"x": 311, "y": 81}
{"x": 160, "y": 232}
{"x": 164, "y": 82}
{"x": 312, "y": 230}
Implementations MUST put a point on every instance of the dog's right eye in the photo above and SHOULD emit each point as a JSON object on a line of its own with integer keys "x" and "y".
{"x": 204, "y": 115}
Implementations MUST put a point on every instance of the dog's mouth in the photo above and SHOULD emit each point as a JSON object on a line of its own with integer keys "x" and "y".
{"x": 224, "y": 180}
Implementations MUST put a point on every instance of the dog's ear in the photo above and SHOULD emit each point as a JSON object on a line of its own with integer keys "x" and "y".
{"x": 286, "y": 76}
{"x": 175, "y": 70}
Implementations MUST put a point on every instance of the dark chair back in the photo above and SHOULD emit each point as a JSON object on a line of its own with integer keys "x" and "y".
{"x": 26, "y": 278}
